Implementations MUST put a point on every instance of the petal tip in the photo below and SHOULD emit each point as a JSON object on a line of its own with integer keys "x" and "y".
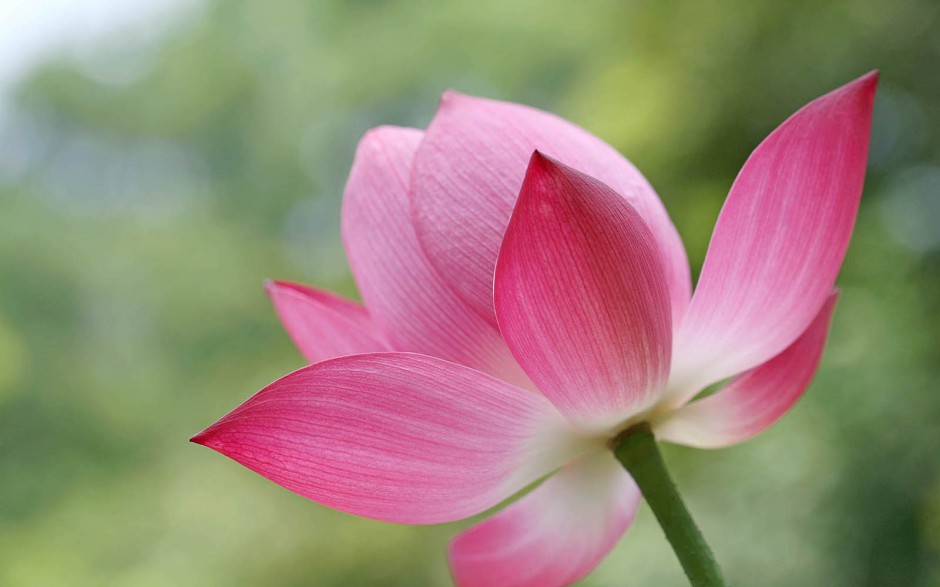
{"x": 539, "y": 159}
{"x": 540, "y": 163}
{"x": 541, "y": 172}
{"x": 546, "y": 172}
{"x": 866, "y": 84}
{"x": 871, "y": 78}
{"x": 861, "y": 89}
{"x": 276, "y": 288}
{"x": 209, "y": 438}
{"x": 460, "y": 104}
{"x": 450, "y": 97}
{"x": 203, "y": 438}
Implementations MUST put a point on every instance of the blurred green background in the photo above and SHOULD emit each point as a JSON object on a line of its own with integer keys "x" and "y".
{"x": 154, "y": 172}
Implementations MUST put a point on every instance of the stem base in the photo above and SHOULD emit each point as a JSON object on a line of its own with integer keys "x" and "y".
{"x": 637, "y": 451}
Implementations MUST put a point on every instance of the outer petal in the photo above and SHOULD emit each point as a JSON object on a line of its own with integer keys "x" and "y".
{"x": 581, "y": 297}
{"x": 406, "y": 297}
{"x": 396, "y": 437}
{"x": 468, "y": 172}
{"x": 779, "y": 241}
{"x": 553, "y": 536}
{"x": 323, "y": 325}
{"x": 755, "y": 400}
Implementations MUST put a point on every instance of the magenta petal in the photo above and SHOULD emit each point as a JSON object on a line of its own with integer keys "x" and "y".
{"x": 406, "y": 298}
{"x": 553, "y": 536}
{"x": 323, "y": 325}
{"x": 396, "y": 437}
{"x": 467, "y": 175}
{"x": 779, "y": 241}
{"x": 581, "y": 297}
{"x": 752, "y": 402}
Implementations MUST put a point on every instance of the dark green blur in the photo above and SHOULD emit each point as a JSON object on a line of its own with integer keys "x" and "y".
{"x": 148, "y": 188}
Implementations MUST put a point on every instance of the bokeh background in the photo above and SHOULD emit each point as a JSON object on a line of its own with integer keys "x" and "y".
{"x": 159, "y": 159}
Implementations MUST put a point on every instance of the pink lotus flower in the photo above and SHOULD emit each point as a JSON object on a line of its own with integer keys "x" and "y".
{"x": 523, "y": 309}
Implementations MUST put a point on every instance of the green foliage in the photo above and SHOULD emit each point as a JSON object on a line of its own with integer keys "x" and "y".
{"x": 138, "y": 220}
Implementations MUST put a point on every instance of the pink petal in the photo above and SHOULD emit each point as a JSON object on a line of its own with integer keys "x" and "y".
{"x": 752, "y": 402}
{"x": 396, "y": 437}
{"x": 553, "y": 536}
{"x": 406, "y": 297}
{"x": 779, "y": 241}
{"x": 323, "y": 325}
{"x": 581, "y": 297}
{"x": 467, "y": 175}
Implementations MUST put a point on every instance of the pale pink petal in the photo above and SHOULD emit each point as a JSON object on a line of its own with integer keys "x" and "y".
{"x": 324, "y": 325}
{"x": 467, "y": 175}
{"x": 779, "y": 241}
{"x": 553, "y": 536}
{"x": 581, "y": 297}
{"x": 406, "y": 298}
{"x": 396, "y": 437}
{"x": 752, "y": 402}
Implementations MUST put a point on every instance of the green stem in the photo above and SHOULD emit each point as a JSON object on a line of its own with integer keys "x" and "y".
{"x": 637, "y": 451}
